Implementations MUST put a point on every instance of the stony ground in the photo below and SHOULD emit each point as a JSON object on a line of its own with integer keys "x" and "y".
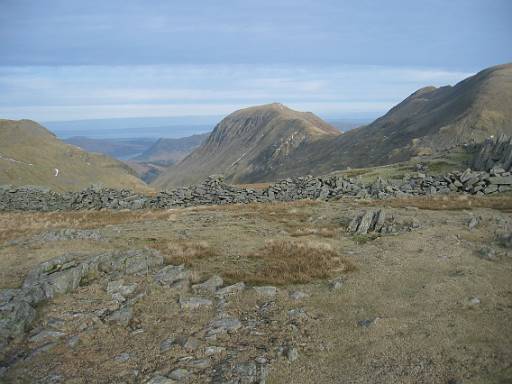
{"x": 426, "y": 298}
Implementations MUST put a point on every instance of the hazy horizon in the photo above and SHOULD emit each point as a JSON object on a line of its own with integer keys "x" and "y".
{"x": 160, "y": 127}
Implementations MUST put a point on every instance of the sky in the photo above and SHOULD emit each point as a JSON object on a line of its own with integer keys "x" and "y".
{"x": 74, "y": 60}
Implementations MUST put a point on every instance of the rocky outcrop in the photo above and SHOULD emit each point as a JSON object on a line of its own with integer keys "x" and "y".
{"x": 215, "y": 191}
{"x": 495, "y": 153}
{"x": 377, "y": 221}
{"x": 60, "y": 275}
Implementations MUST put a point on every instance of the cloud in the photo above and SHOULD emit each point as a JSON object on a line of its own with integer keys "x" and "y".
{"x": 81, "y": 92}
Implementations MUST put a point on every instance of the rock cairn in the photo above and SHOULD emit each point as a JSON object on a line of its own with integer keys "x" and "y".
{"x": 215, "y": 191}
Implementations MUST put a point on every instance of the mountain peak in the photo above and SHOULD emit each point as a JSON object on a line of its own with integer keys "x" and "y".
{"x": 250, "y": 143}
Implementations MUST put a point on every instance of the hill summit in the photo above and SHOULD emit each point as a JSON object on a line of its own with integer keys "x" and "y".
{"x": 250, "y": 144}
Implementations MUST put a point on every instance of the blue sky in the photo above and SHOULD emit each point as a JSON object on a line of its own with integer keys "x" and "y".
{"x": 65, "y": 60}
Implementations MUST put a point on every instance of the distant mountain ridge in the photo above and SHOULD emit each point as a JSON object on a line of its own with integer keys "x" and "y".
{"x": 269, "y": 142}
{"x": 170, "y": 151}
{"x": 32, "y": 155}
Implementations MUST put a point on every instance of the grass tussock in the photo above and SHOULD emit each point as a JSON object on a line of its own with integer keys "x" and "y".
{"x": 184, "y": 252}
{"x": 292, "y": 262}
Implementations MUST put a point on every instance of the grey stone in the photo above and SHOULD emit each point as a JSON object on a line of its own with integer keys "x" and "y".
{"x": 16, "y": 315}
{"x": 297, "y": 314}
{"x": 501, "y": 180}
{"x": 505, "y": 239}
{"x": 122, "y": 316}
{"x": 117, "y": 297}
{"x": 189, "y": 343}
{"x": 73, "y": 341}
{"x": 365, "y": 223}
{"x": 118, "y": 286}
{"x": 210, "y": 285}
{"x": 365, "y": 323}
{"x": 158, "y": 379}
{"x": 167, "y": 344}
{"x": 472, "y": 301}
{"x": 199, "y": 364}
{"x": 266, "y": 291}
{"x": 473, "y": 222}
{"x": 250, "y": 373}
{"x": 179, "y": 374}
{"x": 487, "y": 253}
{"x": 231, "y": 289}
{"x": 292, "y": 354}
{"x": 172, "y": 274}
{"x": 125, "y": 356}
{"x": 214, "y": 350}
{"x": 226, "y": 324}
{"x": 336, "y": 283}
{"x": 46, "y": 335}
{"x": 492, "y": 188}
{"x": 192, "y": 303}
{"x": 297, "y": 295}
{"x": 64, "y": 274}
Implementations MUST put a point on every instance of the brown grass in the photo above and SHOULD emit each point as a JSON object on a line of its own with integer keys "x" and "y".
{"x": 327, "y": 232}
{"x": 292, "y": 262}
{"x": 184, "y": 252}
{"x": 17, "y": 224}
{"x": 450, "y": 202}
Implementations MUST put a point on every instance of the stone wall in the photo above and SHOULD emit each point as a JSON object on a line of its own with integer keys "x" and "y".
{"x": 215, "y": 191}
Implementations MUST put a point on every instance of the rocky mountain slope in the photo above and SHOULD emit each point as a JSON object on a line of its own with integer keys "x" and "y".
{"x": 249, "y": 145}
{"x": 271, "y": 142}
{"x": 30, "y": 154}
{"x": 428, "y": 121}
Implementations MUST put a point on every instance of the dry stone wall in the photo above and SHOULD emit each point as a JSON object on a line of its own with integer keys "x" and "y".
{"x": 215, "y": 191}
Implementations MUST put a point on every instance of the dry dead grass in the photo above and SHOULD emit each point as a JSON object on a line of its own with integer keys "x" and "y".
{"x": 257, "y": 186}
{"x": 17, "y": 224}
{"x": 327, "y": 232}
{"x": 184, "y": 252}
{"x": 450, "y": 202}
{"x": 292, "y": 262}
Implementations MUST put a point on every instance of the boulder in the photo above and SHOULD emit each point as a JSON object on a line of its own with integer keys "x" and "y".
{"x": 172, "y": 274}
{"x": 210, "y": 285}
